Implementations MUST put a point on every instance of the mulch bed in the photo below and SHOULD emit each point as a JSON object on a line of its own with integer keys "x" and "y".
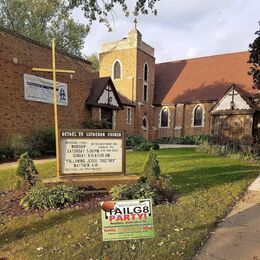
{"x": 10, "y": 203}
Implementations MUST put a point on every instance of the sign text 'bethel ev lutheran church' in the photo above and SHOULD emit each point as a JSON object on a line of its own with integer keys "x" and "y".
{"x": 92, "y": 152}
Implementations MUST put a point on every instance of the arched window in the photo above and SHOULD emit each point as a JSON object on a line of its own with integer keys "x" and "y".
{"x": 145, "y": 72}
{"x": 164, "y": 117}
{"x": 145, "y": 122}
{"x": 198, "y": 116}
{"x": 117, "y": 70}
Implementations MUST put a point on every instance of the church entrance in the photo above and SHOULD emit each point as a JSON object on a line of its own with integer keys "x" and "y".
{"x": 107, "y": 115}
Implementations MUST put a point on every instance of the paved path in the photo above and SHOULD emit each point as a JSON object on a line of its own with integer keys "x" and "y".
{"x": 238, "y": 236}
{"x": 162, "y": 146}
{"x": 4, "y": 166}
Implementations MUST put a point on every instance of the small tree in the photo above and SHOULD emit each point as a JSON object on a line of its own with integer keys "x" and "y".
{"x": 151, "y": 166}
{"x": 26, "y": 169}
{"x": 254, "y": 59}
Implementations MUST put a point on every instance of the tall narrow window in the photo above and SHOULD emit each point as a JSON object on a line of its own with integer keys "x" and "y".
{"x": 129, "y": 116}
{"x": 145, "y": 94}
{"x": 164, "y": 117}
{"x": 146, "y": 72}
{"x": 198, "y": 116}
{"x": 145, "y": 123}
{"x": 117, "y": 70}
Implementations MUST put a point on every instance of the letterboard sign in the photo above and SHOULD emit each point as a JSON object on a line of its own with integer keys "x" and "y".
{"x": 92, "y": 152}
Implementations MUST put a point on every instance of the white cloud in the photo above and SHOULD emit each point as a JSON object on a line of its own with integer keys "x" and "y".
{"x": 187, "y": 28}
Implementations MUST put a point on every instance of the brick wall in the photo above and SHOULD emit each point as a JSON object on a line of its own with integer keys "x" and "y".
{"x": 18, "y": 115}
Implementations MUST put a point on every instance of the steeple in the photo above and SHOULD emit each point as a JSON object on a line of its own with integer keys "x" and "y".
{"x": 134, "y": 33}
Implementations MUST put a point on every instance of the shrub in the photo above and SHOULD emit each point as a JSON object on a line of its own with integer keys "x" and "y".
{"x": 41, "y": 141}
{"x": 193, "y": 139}
{"x": 133, "y": 141}
{"x": 6, "y": 154}
{"x": 158, "y": 189}
{"x": 26, "y": 169}
{"x": 151, "y": 165}
{"x": 155, "y": 146}
{"x": 55, "y": 197}
{"x": 146, "y": 146}
{"x": 95, "y": 124}
{"x": 19, "y": 145}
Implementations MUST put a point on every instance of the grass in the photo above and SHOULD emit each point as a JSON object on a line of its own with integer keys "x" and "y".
{"x": 207, "y": 187}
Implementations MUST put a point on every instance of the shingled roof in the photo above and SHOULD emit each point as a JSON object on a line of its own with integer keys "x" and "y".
{"x": 201, "y": 79}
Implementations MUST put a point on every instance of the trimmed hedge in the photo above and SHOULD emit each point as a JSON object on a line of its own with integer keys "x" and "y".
{"x": 192, "y": 139}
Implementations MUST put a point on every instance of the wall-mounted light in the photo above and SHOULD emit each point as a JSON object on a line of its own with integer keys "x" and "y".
{"x": 232, "y": 104}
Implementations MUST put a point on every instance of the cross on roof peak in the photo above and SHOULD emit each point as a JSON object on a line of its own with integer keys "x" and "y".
{"x": 135, "y": 22}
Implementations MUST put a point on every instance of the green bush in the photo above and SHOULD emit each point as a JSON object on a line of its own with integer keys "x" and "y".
{"x": 193, "y": 139}
{"x": 151, "y": 165}
{"x": 26, "y": 169}
{"x": 133, "y": 141}
{"x": 160, "y": 190}
{"x": 146, "y": 146}
{"x": 55, "y": 197}
{"x": 95, "y": 124}
{"x": 41, "y": 142}
{"x": 19, "y": 145}
{"x": 6, "y": 154}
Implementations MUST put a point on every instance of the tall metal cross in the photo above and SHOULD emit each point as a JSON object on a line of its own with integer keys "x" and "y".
{"x": 54, "y": 71}
{"x": 135, "y": 22}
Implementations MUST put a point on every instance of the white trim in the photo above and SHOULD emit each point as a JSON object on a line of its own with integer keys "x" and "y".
{"x": 114, "y": 120}
{"x": 145, "y": 82}
{"x": 203, "y": 116}
{"x": 99, "y": 111}
{"x": 128, "y": 122}
{"x": 121, "y": 69}
{"x": 160, "y": 117}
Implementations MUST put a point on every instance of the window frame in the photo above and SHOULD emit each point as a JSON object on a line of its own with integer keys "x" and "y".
{"x": 113, "y": 70}
{"x": 129, "y": 115}
{"x": 168, "y": 117}
{"x": 202, "y": 115}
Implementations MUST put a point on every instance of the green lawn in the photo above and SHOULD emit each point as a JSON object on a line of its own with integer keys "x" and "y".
{"x": 207, "y": 187}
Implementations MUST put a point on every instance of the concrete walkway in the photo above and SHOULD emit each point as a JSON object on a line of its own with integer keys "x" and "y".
{"x": 4, "y": 166}
{"x": 162, "y": 146}
{"x": 238, "y": 236}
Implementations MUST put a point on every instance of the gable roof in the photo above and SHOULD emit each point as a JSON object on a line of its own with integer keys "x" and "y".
{"x": 98, "y": 87}
{"x": 201, "y": 79}
{"x": 250, "y": 106}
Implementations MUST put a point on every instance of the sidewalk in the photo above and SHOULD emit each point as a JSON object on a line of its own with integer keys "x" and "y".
{"x": 238, "y": 236}
{"x": 4, "y": 166}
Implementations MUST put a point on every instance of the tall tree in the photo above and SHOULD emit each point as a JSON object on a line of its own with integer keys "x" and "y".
{"x": 94, "y": 60}
{"x": 100, "y": 9}
{"x": 42, "y": 20}
{"x": 254, "y": 59}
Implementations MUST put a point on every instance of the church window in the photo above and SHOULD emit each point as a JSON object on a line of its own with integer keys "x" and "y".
{"x": 198, "y": 116}
{"x": 145, "y": 94}
{"x": 129, "y": 116}
{"x": 117, "y": 70}
{"x": 164, "y": 117}
{"x": 145, "y": 123}
{"x": 145, "y": 72}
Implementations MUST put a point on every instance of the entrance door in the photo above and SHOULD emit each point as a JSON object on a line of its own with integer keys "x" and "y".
{"x": 107, "y": 115}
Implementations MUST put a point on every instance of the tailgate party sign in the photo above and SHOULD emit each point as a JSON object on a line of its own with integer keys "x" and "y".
{"x": 127, "y": 219}
{"x": 41, "y": 90}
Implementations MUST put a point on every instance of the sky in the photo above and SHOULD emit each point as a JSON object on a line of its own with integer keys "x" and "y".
{"x": 184, "y": 28}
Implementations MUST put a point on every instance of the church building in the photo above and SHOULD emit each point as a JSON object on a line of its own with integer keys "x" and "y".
{"x": 209, "y": 95}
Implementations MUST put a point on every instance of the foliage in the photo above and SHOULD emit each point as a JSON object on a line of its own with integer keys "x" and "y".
{"x": 254, "y": 59}
{"x": 232, "y": 150}
{"x": 151, "y": 165}
{"x": 95, "y": 124}
{"x": 42, "y": 20}
{"x": 95, "y": 10}
{"x": 133, "y": 140}
{"x": 93, "y": 58}
{"x": 26, "y": 169}
{"x": 41, "y": 141}
{"x": 192, "y": 139}
{"x": 18, "y": 145}
{"x": 6, "y": 153}
{"x": 146, "y": 146}
{"x": 55, "y": 197}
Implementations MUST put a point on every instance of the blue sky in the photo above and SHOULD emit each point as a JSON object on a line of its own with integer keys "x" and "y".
{"x": 185, "y": 28}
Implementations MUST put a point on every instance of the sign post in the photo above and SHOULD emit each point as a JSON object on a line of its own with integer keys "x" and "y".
{"x": 54, "y": 71}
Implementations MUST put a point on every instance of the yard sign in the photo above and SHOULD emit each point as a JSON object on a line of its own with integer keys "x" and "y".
{"x": 130, "y": 219}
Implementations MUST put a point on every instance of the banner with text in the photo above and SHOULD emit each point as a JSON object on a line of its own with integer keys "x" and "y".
{"x": 129, "y": 219}
{"x": 41, "y": 90}
{"x": 92, "y": 152}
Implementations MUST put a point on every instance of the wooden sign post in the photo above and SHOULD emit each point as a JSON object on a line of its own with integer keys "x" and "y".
{"x": 54, "y": 71}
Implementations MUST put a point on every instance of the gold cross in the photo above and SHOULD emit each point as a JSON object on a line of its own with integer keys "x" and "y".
{"x": 54, "y": 71}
